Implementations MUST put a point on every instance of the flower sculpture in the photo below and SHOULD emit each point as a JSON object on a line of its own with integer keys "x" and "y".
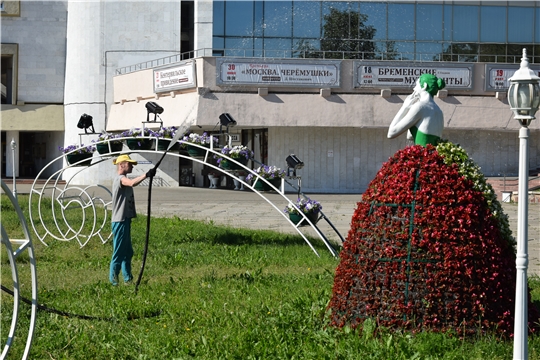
{"x": 429, "y": 248}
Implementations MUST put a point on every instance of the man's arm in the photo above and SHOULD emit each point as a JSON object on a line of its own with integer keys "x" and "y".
{"x": 132, "y": 182}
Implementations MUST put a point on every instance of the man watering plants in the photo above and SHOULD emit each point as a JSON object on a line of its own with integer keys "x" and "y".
{"x": 123, "y": 210}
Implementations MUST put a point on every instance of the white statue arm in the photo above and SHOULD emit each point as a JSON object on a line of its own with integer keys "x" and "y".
{"x": 407, "y": 116}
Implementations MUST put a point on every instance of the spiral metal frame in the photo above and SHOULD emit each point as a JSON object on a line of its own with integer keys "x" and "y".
{"x": 21, "y": 246}
{"x": 85, "y": 201}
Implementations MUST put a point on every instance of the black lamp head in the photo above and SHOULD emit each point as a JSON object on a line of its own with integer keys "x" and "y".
{"x": 153, "y": 108}
{"x": 293, "y": 162}
{"x": 226, "y": 119}
{"x": 85, "y": 122}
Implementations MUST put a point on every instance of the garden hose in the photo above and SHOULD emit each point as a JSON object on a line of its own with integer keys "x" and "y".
{"x": 175, "y": 139}
{"x": 68, "y": 314}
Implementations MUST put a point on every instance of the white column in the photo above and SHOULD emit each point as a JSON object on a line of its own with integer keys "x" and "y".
{"x": 522, "y": 257}
{"x": 12, "y": 135}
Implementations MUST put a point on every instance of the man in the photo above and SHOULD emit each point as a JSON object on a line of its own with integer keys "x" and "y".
{"x": 123, "y": 210}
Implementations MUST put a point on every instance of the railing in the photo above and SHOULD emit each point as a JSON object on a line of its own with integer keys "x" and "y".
{"x": 319, "y": 54}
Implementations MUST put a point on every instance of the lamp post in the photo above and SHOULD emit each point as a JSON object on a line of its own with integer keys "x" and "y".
{"x": 13, "y": 147}
{"x": 524, "y": 99}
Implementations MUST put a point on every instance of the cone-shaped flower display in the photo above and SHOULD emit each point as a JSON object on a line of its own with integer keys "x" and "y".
{"x": 429, "y": 248}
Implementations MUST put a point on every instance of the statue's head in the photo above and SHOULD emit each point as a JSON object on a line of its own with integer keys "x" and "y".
{"x": 431, "y": 83}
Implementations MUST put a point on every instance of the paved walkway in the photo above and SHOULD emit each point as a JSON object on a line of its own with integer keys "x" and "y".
{"x": 249, "y": 210}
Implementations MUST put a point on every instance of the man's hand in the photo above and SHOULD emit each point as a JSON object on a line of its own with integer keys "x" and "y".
{"x": 151, "y": 173}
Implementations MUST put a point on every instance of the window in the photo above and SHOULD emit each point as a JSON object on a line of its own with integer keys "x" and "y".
{"x": 493, "y": 24}
{"x": 239, "y": 18}
{"x": 516, "y": 17}
{"x": 307, "y": 19}
{"x": 429, "y": 22}
{"x": 9, "y": 73}
{"x": 376, "y": 17}
{"x": 401, "y": 21}
{"x": 465, "y": 23}
{"x": 278, "y": 18}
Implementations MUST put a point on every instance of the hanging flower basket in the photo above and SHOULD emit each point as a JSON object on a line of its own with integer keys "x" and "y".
{"x": 78, "y": 154}
{"x": 139, "y": 144}
{"x": 229, "y": 165}
{"x": 297, "y": 218}
{"x": 310, "y": 208}
{"x": 103, "y": 148}
{"x": 79, "y": 159}
{"x": 137, "y": 141}
{"x": 260, "y": 185}
{"x": 165, "y": 136}
{"x": 202, "y": 140}
{"x": 163, "y": 144}
{"x": 196, "y": 152}
{"x": 239, "y": 153}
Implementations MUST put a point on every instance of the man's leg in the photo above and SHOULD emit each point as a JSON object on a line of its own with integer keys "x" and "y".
{"x": 118, "y": 230}
{"x": 127, "y": 251}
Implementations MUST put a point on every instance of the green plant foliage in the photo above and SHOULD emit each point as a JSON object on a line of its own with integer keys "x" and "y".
{"x": 208, "y": 292}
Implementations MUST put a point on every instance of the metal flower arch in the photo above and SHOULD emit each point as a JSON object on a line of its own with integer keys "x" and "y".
{"x": 63, "y": 198}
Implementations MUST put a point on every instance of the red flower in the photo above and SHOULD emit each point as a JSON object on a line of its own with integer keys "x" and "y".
{"x": 425, "y": 252}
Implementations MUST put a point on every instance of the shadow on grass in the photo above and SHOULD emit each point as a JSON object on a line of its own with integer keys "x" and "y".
{"x": 180, "y": 231}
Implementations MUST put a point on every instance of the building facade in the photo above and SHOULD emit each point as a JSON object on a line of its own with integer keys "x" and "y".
{"x": 320, "y": 79}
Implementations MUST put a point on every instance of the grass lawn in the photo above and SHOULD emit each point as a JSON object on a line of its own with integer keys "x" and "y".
{"x": 208, "y": 292}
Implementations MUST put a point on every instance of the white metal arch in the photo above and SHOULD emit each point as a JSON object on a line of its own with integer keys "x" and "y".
{"x": 68, "y": 232}
{"x": 21, "y": 246}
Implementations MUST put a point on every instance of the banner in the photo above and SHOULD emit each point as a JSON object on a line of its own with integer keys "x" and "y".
{"x": 497, "y": 75}
{"x": 285, "y": 73}
{"x": 393, "y": 75}
{"x": 174, "y": 78}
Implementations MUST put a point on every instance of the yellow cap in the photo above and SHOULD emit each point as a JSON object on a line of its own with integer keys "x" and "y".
{"x": 124, "y": 158}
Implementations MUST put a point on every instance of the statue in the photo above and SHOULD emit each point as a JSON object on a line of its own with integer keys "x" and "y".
{"x": 429, "y": 248}
{"x": 419, "y": 114}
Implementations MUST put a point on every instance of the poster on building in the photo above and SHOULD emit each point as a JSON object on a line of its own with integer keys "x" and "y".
{"x": 288, "y": 72}
{"x": 398, "y": 75}
{"x": 174, "y": 78}
{"x": 498, "y": 75}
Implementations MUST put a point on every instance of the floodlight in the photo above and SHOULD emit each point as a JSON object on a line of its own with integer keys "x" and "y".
{"x": 153, "y": 108}
{"x": 85, "y": 122}
{"x": 293, "y": 163}
{"x": 227, "y": 120}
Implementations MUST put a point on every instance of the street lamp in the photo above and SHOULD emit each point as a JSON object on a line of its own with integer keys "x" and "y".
{"x": 524, "y": 99}
{"x": 13, "y": 147}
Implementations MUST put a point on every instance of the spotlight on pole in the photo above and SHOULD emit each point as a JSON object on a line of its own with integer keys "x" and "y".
{"x": 85, "y": 122}
{"x": 227, "y": 120}
{"x": 293, "y": 163}
{"x": 153, "y": 108}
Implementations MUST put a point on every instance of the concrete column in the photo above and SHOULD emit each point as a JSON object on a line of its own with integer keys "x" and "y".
{"x": 85, "y": 81}
{"x": 203, "y": 23}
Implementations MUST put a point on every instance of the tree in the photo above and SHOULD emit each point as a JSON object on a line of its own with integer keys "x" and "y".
{"x": 345, "y": 35}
